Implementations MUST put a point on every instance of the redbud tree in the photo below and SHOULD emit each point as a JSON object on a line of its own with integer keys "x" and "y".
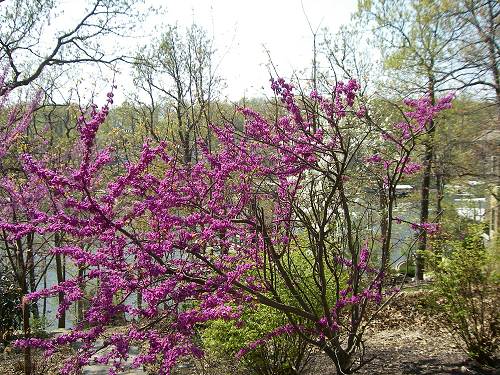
{"x": 294, "y": 212}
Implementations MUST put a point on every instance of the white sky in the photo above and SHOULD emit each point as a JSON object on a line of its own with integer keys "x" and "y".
{"x": 240, "y": 29}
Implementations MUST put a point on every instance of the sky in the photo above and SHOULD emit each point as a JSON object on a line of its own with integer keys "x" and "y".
{"x": 242, "y": 31}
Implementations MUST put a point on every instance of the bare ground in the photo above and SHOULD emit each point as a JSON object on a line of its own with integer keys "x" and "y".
{"x": 402, "y": 341}
{"x": 402, "y": 352}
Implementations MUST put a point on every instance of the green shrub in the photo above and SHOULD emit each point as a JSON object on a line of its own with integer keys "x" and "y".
{"x": 283, "y": 354}
{"x": 280, "y": 355}
{"x": 466, "y": 292}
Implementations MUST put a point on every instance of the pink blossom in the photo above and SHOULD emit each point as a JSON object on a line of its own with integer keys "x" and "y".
{"x": 179, "y": 234}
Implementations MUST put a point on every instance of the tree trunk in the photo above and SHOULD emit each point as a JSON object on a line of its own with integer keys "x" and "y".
{"x": 439, "y": 195}
{"x": 342, "y": 360}
{"x": 28, "y": 365}
{"x": 44, "y": 312}
{"x": 384, "y": 228}
{"x": 25, "y": 305}
{"x": 426, "y": 184}
{"x": 493, "y": 55}
{"x": 186, "y": 148}
{"x": 61, "y": 323}
{"x": 30, "y": 265}
{"x": 79, "y": 304}
{"x": 424, "y": 212}
{"x": 139, "y": 300}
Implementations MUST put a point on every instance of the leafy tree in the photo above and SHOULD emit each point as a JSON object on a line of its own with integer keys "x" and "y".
{"x": 478, "y": 48}
{"x": 24, "y": 23}
{"x": 418, "y": 39}
{"x": 178, "y": 77}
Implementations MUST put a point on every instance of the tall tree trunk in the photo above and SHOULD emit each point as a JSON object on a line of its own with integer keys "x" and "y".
{"x": 424, "y": 210}
{"x": 79, "y": 304}
{"x": 493, "y": 54}
{"x": 426, "y": 184}
{"x": 25, "y": 305}
{"x": 44, "y": 311}
{"x": 139, "y": 300}
{"x": 384, "y": 228}
{"x": 61, "y": 323}
{"x": 186, "y": 148}
{"x": 28, "y": 365}
{"x": 30, "y": 265}
{"x": 439, "y": 194}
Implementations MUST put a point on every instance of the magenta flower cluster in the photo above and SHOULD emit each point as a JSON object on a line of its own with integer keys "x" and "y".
{"x": 189, "y": 238}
